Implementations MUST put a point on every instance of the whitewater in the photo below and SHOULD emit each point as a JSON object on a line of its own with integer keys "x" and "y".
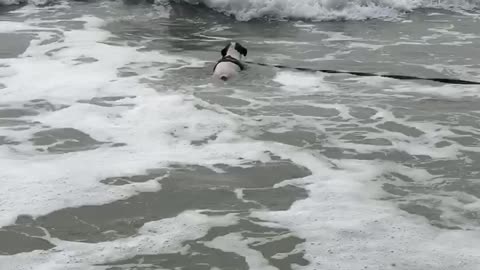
{"x": 117, "y": 150}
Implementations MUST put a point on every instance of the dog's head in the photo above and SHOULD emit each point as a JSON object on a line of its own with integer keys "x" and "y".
{"x": 235, "y": 50}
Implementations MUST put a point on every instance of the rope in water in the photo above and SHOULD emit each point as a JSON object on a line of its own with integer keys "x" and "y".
{"x": 369, "y": 74}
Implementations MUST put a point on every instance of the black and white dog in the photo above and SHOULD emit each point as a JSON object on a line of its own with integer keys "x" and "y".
{"x": 227, "y": 67}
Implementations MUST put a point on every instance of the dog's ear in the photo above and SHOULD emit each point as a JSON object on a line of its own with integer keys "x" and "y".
{"x": 224, "y": 50}
{"x": 242, "y": 50}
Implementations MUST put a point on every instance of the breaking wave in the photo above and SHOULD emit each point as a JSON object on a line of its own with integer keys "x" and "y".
{"x": 245, "y": 10}
{"x": 320, "y": 10}
{"x": 23, "y": 2}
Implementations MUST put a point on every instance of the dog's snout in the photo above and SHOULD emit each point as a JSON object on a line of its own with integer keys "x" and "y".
{"x": 223, "y": 78}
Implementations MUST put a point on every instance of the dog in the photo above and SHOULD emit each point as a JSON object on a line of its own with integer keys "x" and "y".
{"x": 230, "y": 65}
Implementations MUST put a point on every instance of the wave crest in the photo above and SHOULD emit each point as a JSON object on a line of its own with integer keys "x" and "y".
{"x": 245, "y": 10}
{"x": 23, "y": 2}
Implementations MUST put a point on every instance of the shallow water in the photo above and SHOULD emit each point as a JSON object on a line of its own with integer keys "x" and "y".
{"x": 119, "y": 152}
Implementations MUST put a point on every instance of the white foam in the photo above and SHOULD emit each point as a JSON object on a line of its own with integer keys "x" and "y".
{"x": 9, "y": 27}
{"x": 329, "y": 9}
{"x": 346, "y": 229}
{"x": 344, "y": 226}
{"x": 162, "y": 236}
{"x": 371, "y": 47}
{"x": 302, "y": 82}
{"x": 87, "y": 78}
{"x": 9, "y": 2}
{"x": 158, "y": 129}
{"x": 18, "y": 2}
{"x": 450, "y": 91}
{"x": 235, "y": 243}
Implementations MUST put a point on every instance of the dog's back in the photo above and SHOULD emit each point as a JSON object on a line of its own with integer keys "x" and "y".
{"x": 229, "y": 66}
{"x": 225, "y": 71}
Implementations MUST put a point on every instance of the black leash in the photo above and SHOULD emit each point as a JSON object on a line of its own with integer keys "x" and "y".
{"x": 369, "y": 74}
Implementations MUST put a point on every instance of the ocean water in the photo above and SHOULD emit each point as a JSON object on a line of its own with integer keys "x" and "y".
{"x": 118, "y": 151}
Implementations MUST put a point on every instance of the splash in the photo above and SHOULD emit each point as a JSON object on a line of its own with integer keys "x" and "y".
{"x": 23, "y": 2}
{"x": 245, "y": 10}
